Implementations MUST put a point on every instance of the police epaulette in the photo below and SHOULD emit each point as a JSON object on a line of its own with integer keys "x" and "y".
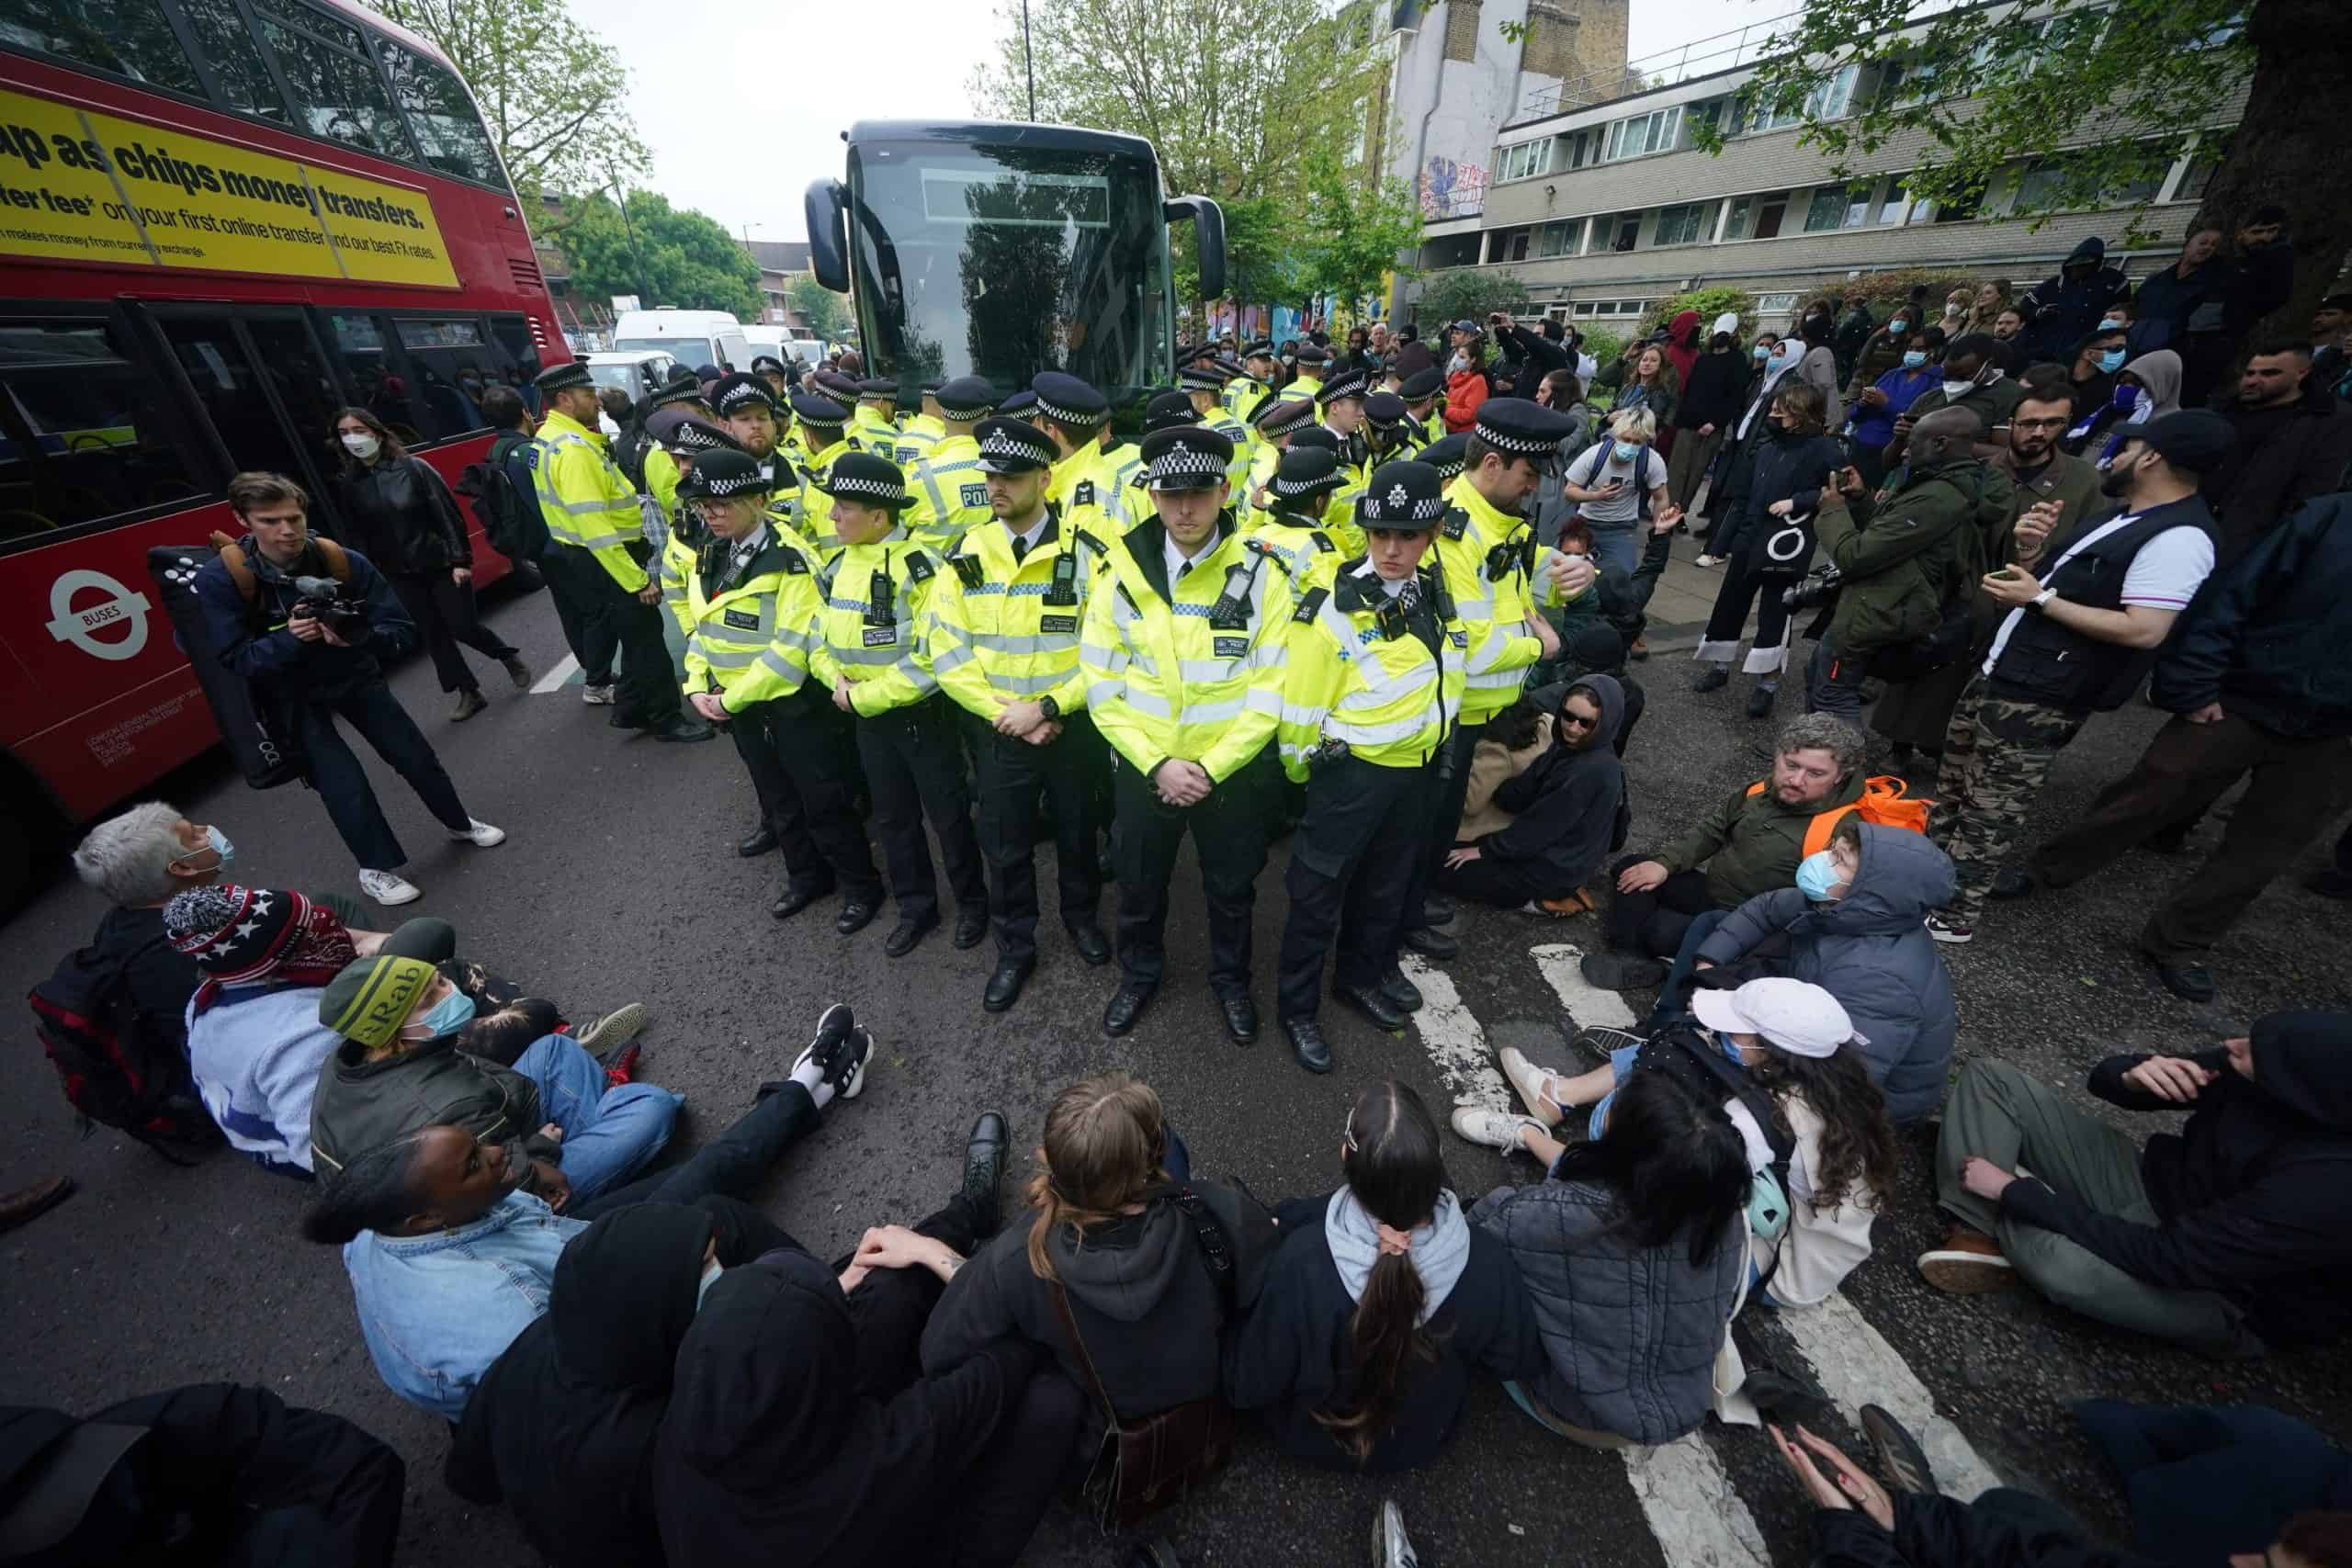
{"x": 1323, "y": 542}
{"x": 795, "y": 563}
{"x": 1456, "y": 523}
{"x": 968, "y": 568}
{"x": 1083, "y": 495}
{"x": 1310, "y": 604}
{"x": 919, "y": 566}
{"x": 1101, "y": 550}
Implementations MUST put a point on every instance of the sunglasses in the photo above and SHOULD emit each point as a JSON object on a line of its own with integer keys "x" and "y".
{"x": 1579, "y": 719}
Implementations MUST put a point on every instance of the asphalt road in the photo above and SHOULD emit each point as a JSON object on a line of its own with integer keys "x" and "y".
{"x": 620, "y": 882}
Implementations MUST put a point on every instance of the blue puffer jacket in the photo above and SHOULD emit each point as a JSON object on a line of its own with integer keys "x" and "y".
{"x": 1870, "y": 950}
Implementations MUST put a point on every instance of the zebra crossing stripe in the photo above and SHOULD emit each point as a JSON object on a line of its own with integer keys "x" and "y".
{"x": 1457, "y": 1046}
{"x": 1588, "y": 1005}
{"x": 1693, "y": 1507}
{"x": 563, "y": 670}
{"x": 1856, "y": 1366}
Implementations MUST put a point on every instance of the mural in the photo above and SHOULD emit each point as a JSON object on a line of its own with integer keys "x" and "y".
{"x": 1449, "y": 189}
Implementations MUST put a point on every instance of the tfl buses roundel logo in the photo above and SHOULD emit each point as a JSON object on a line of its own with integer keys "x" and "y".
{"x": 97, "y": 614}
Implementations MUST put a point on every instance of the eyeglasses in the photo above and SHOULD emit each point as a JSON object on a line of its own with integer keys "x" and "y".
{"x": 1579, "y": 719}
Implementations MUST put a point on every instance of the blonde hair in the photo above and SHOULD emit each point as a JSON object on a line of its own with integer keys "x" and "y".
{"x": 1633, "y": 424}
{"x": 1105, "y": 1138}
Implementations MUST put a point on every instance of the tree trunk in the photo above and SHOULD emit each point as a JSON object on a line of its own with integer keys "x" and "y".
{"x": 2288, "y": 149}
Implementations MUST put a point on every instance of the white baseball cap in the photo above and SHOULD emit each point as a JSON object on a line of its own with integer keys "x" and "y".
{"x": 1795, "y": 1016}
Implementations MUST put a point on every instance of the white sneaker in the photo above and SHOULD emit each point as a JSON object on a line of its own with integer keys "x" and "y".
{"x": 1391, "y": 1547}
{"x": 596, "y": 696}
{"x": 1531, "y": 1083}
{"x": 1707, "y": 560}
{"x": 613, "y": 1031}
{"x": 1495, "y": 1129}
{"x": 480, "y": 834}
{"x": 389, "y": 887}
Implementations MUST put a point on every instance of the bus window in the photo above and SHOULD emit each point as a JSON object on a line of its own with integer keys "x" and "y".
{"x": 234, "y": 396}
{"x": 309, "y": 394}
{"x": 334, "y": 77}
{"x": 131, "y": 39}
{"x": 241, "y": 80}
{"x": 81, "y": 433}
{"x": 384, "y": 390}
{"x": 442, "y": 117}
{"x": 453, "y": 365}
{"x": 520, "y": 357}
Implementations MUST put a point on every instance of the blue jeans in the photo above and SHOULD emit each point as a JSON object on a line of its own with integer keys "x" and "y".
{"x": 1617, "y": 547}
{"x": 1620, "y": 1062}
{"x": 609, "y": 1134}
{"x": 1674, "y": 1000}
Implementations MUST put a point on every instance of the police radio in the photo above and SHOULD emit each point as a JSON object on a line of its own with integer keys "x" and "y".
{"x": 1231, "y": 611}
{"x": 880, "y": 599}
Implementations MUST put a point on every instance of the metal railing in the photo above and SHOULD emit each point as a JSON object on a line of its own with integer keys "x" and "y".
{"x": 1700, "y": 57}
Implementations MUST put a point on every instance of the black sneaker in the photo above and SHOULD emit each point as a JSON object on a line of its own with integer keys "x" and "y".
{"x": 1904, "y": 1461}
{"x": 834, "y": 1026}
{"x": 845, "y": 1068}
{"x": 1714, "y": 678}
{"x": 2189, "y": 982}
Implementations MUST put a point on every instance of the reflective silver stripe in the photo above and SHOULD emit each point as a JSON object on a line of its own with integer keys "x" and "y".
{"x": 1221, "y": 712}
{"x": 1382, "y": 734}
{"x": 721, "y": 657}
{"x": 1095, "y": 653}
{"x": 1218, "y": 669}
{"x": 1498, "y": 642}
{"x": 1303, "y": 718}
{"x": 952, "y": 657}
{"x": 1474, "y": 609}
{"x": 1259, "y": 702}
{"x": 1497, "y": 679}
{"x": 1023, "y": 685}
{"x": 1102, "y": 694}
{"x": 879, "y": 656}
{"x": 1272, "y": 652}
{"x": 1360, "y": 701}
{"x": 1152, "y": 703}
{"x": 1001, "y": 642}
{"x": 793, "y": 673}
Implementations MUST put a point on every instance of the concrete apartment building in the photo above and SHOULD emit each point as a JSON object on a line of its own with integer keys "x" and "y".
{"x": 1600, "y": 203}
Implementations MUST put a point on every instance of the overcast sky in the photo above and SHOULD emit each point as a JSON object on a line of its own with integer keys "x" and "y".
{"x": 745, "y": 105}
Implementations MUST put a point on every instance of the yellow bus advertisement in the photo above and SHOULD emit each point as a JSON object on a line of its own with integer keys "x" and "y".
{"x": 80, "y": 185}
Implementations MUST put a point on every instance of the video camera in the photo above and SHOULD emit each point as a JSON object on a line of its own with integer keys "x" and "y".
{"x": 1815, "y": 587}
{"x": 324, "y": 599}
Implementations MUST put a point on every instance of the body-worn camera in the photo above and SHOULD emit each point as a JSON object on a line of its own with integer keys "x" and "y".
{"x": 1323, "y": 753}
{"x": 1815, "y": 587}
{"x": 323, "y": 599}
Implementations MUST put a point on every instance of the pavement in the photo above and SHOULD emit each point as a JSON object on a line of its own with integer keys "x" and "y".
{"x": 620, "y": 882}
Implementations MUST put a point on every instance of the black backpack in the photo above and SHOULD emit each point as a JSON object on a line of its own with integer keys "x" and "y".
{"x": 508, "y": 513}
{"x": 115, "y": 1064}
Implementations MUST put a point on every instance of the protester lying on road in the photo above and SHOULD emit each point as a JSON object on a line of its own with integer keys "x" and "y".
{"x": 2206, "y": 1484}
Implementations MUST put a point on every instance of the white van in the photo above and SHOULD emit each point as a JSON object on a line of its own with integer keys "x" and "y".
{"x": 787, "y": 343}
{"x": 695, "y": 338}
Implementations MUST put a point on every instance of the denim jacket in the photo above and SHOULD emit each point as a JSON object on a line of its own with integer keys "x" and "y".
{"x": 436, "y": 1310}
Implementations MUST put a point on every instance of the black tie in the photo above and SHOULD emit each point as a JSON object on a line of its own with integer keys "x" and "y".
{"x": 1020, "y": 549}
{"x": 1183, "y": 571}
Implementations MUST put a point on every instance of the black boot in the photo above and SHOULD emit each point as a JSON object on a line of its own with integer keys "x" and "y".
{"x": 1308, "y": 1045}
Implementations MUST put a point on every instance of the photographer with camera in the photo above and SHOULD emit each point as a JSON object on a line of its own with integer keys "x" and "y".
{"x": 308, "y": 622}
{"x": 1903, "y": 555}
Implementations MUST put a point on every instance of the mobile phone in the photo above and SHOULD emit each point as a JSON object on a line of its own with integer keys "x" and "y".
{"x": 2010, "y": 572}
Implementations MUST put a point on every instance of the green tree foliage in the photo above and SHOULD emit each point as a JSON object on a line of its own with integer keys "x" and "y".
{"x": 1710, "y": 303}
{"x": 1355, "y": 227}
{"x": 554, "y": 95}
{"x": 2099, "y": 95}
{"x": 828, "y": 312}
{"x": 675, "y": 257}
{"x": 1467, "y": 293}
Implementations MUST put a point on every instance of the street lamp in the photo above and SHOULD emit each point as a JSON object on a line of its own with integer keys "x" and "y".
{"x": 1028, "y": 61}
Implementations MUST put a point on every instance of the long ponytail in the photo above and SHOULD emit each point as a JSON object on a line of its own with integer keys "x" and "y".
{"x": 1394, "y": 1170}
{"x": 1103, "y": 1143}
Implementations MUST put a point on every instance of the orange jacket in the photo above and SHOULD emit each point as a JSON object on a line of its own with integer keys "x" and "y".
{"x": 1465, "y": 391}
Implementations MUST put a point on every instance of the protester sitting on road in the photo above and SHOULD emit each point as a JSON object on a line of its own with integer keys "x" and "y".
{"x": 1563, "y": 812}
{"x": 1853, "y": 925}
{"x": 400, "y": 1067}
{"x": 1513, "y": 739}
{"x": 1632, "y": 1251}
{"x": 1596, "y": 650}
{"x": 215, "y": 1473}
{"x": 2204, "y": 1483}
{"x": 800, "y": 1431}
{"x": 1114, "y": 1231}
{"x": 1377, "y": 1313}
{"x": 563, "y": 1424}
{"x": 451, "y": 1259}
{"x": 2228, "y": 1237}
{"x": 1748, "y": 844}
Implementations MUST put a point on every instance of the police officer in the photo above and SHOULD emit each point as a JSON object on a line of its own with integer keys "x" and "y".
{"x": 591, "y": 511}
{"x": 1373, "y": 686}
{"x": 769, "y": 368}
{"x": 680, "y": 438}
{"x": 823, "y": 426}
{"x": 922, "y": 430}
{"x": 874, "y": 425}
{"x": 1313, "y": 363}
{"x": 682, "y": 394}
{"x": 1166, "y": 410}
{"x": 950, "y": 492}
{"x": 1074, "y": 414}
{"x": 1303, "y": 485}
{"x": 747, "y": 408}
{"x": 1276, "y": 421}
{"x": 1204, "y": 387}
{"x": 1390, "y": 433}
{"x": 1184, "y": 660}
{"x": 1424, "y": 395}
{"x": 1254, "y": 385}
{"x": 1021, "y": 405}
{"x": 1341, "y": 401}
{"x": 1447, "y": 455}
{"x": 753, "y": 601}
{"x": 1006, "y": 617}
{"x": 869, "y": 653}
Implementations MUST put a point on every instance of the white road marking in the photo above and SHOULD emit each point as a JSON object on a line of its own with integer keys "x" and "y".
{"x": 563, "y": 670}
{"x": 1692, "y": 1507}
{"x": 1457, "y": 1046}
{"x": 1856, "y": 1367}
{"x": 1589, "y": 1005}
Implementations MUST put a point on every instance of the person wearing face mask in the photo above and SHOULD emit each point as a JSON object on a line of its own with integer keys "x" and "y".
{"x": 1972, "y": 379}
{"x": 2099, "y": 358}
{"x": 398, "y": 1067}
{"x": 395, "y": 509}
{"x": 1466, "y": 382}
{"x": 1872, "y": 409}
{"x": 1852, "y": 925}
{"x": 2143, "y": 388}
{"x": 1562, "y": 811}
{"x": 1884, "y": 349}
{"x": 1775, "y": 359}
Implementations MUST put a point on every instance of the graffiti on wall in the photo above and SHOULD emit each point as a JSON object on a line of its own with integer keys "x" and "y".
{"x": 1449, "y": 189}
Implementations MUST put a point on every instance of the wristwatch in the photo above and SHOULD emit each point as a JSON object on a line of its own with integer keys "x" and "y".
{"x": 2042, "y": 599}
{"x": 1050, "y": 708}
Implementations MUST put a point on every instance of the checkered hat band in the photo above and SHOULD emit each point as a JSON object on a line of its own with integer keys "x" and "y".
{"x": 882, "y": 490}
{"x": 964, "y": 412}
{"x": 724, "y": 487}
{"x": 1283, "y": 486}
{"x": 1527, "y": 445}
{"x": 738, "y": 396}
{"x": 1181, "y": 461}
{"x": 1004, "y": 443}
{"x": 689, "y": 439}
{"x": 820, "y": 422}
{"x": 1275, "y": 423}
{"x": 1066, "y": 415}
{"x": 1389, "y": 509}
{"x": 1207, "y": 381}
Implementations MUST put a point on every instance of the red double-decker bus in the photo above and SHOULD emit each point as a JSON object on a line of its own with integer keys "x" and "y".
{"x": 219, "y": 221}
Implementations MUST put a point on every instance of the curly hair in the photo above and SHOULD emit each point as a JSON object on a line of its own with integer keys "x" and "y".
{"x": 1856, "y": 1140}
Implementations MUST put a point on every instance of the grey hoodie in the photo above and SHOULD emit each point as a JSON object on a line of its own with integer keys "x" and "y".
{"x": 1870, "y": 950}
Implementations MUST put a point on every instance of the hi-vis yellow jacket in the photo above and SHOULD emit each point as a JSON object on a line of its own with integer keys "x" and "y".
{"x": 917, "y": 436}
{"x": 871, "y": 630}
{"x": 1242, "y": 395}
{"x": 951, "y": 493}
{"x": 1498, "y": 575}
{"x": 810, "y": 509}
{"x": 586, "y": 500}
{"x": 1003, "y": 631}
{"x": 750, "y": 632}
{"x": 874, "y": 430}
{"x": 1189, "y": 669}
{"x": 1303, "y": 547}
{"x": 1359, "y": 673}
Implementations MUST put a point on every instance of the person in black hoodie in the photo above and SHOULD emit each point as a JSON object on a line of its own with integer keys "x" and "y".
{"x": 1597, "y": 649}
{"x": 1380, "y": 1305}
{"x": 1565, "y": 809}
{"x": 396, "y": 511}
{"x": 2060, "y": 309}
{"x": 2228, "y": 1237}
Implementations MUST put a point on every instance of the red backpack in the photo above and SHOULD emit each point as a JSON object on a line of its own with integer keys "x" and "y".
{"x": 116, "y": 1065}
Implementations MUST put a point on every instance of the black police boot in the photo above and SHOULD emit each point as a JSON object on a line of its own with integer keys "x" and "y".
{"x": 971, "y": 926}
{"x": 909, "y": 931}
{"x": 797, "y": 897}
{"x": 1371, "y": 1004}
{"x": 1241, "y": 1018}
{"x": 1087, "y": 936}
{"x": 856, "y": 916}
{"x": 984, "y": 1166}
{"x": 758, "y": 844}
{"x": 1004, "y": 985}
{"x": 1308, "y": 1045}
{"x": 1406, "y": 995}
{"x": 679, "y": 727}
{"x": 1126, "y": 1006}
{"x": 1432, "y": 943}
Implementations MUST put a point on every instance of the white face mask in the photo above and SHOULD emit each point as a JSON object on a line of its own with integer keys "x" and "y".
{"x": 361, "y": 444}
{"x": 1957, "y": 389}
{"x": 710, "y": 1273}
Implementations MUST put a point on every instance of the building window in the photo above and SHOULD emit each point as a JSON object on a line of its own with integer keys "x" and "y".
{"x": 1960, "y": 208}
{"x": 2211, "y": 148}
{"x": 1837, "y": 206}
{"x": 1681, "y": 225}
{"x": 1526, "y": 160}
{"x": 1756, "y": 217}
{"x": 1619, "y": 233}
{"x": 2040, "y": 184}
{"x": 1828, "y": 99}
{"x": 1652, "y": 132}
{"x": 1562, "y": 239}
{"x": 1584, "y": 148}
{"x": 1897, "y": 205}
{"x": 1508, "y": 245}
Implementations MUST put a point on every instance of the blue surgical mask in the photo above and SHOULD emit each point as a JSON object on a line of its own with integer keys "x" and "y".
{"x": 1761, "y": 353}
{"x": 1915, "y": 358}
{"x": 1896, "y": 327}
{"x": 2109, "y": 324}
{"x": 2111, "y": 361}
{"x": 1628, "y": 450}
{"x": 1817, "y": 876}
{"x": 218, "y": 842}
{"x": 2127, "y": 398}
{"x": 448, "y": 1016}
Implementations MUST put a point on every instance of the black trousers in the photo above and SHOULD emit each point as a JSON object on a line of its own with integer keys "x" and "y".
{"x": 1012, "y": 775}
{"x": 341, "y": 782}
{"x": 1229, "y": 833}
{"x": 619, "y": 619}
{"x": 1505, "y": 884}
{"x": 1351, "y": 866}
{"x": 914, "y": 768}
{"x": 446, "y": 615}
{"x": 1653, "y": 923}
{"x": 729, "y": 1166}
{"x": 804, "y": 776}
{"x": 1742, "y": 587}
{"x": 1443, "y": 821}
{"x": 593, "y": 648}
